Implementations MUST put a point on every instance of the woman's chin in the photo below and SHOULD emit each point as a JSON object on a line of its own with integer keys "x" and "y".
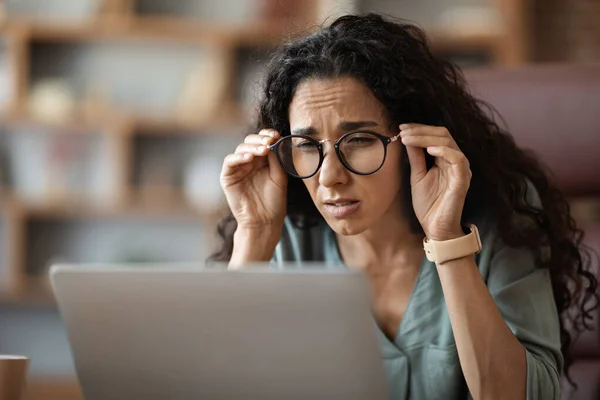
{"x": 347, "y": 227}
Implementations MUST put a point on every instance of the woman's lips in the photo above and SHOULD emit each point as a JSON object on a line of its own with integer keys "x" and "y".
{"x": 342, "y": 209}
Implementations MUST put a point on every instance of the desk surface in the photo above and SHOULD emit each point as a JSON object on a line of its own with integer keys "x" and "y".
{"x": 53, "y": 389}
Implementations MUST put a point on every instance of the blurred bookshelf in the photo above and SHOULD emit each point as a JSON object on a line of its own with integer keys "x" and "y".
{"x": 50, "y": 62}
{"x": 74, "y": 84}
{"x": 471, "y": 33}
{"x": 115, "y": 116}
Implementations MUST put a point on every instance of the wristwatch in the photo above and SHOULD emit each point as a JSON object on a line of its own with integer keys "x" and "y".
{"x": 446, "y": 250}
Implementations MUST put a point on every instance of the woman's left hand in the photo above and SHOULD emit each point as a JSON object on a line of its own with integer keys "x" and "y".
{"x": 438, "y": 195}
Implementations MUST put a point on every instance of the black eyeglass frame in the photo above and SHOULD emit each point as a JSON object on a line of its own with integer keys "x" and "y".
{"x": 385, "y": 140}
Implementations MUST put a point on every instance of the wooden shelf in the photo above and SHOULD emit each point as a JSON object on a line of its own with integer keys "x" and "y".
{"x": 258, "y": 33}
{"x": 447, "y": 43}
{"x": 141, "y": 124}
{"x": 169, "y": 29}
{"x": 142, "y": 203}
{"x": 171, "y": 208}
{"x": 155, "y": 29}
{"x": 73, "y": 125}
{"x": 148, "y": 125}
{"x": 36, "y": 293}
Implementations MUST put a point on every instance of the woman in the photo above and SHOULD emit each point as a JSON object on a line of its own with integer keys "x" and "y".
{"x": 387, "y": 148}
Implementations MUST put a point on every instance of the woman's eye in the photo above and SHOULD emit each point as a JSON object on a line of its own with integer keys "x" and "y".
{"x": 361, "y": 140}
{"x": 304, "y": 145}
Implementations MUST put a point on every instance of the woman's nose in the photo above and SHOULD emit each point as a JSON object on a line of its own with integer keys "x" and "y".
{"x": 332, "y": 170}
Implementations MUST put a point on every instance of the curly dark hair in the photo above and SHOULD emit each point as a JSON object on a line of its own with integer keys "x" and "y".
{"x": 394, "y": 60}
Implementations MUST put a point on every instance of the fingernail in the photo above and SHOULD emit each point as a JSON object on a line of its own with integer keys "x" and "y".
{"x": 404, "y": 126}
{"x": 266, "y": 140}
{"x": 247, "y": 156}
{"x": 261, "y": 148}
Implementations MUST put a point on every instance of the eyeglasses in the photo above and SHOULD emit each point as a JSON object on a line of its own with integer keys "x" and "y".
{"x": 361, "y": 152}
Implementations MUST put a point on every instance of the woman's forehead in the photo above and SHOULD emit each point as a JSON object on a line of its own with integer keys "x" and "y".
{"x": 335, "y": 99}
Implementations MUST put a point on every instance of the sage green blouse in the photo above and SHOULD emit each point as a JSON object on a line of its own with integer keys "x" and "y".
{"x": 422, "y": 360}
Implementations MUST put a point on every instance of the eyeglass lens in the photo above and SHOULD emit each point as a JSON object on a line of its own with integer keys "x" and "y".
{"x": 362, "y": 152}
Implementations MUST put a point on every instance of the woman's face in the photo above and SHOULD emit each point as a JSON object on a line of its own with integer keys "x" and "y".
{"x": 327, "y": 109}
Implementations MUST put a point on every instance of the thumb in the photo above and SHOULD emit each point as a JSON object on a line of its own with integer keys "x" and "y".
{"x": 418, "y": 165}
{"x": 276, "y": 171}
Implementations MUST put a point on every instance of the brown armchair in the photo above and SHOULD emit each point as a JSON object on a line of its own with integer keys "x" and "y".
{"x": 555, "y": 110}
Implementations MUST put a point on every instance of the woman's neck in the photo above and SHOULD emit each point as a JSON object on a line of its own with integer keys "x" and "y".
{"x": 388, "y": 243}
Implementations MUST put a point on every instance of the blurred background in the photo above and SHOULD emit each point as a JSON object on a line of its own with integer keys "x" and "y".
{"x": 116, "y": 114}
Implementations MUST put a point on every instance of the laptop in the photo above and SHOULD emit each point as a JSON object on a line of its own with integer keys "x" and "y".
{"x": 173, "y": 332}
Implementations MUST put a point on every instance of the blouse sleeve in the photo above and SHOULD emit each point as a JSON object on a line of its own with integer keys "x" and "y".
{"x": 523, "y": 293}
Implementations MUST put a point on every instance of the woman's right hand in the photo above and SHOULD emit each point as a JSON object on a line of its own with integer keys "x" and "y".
{"x": 255, "y": 185}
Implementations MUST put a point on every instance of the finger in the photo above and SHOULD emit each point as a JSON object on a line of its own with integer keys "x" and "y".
{"x": 420, "y": 129}
{"x": 407, "y": 126}
{"x": 236, "y": 159}
{"x": 272, "y": 134}
{"x": 233, "y": 160}
{"x": 454, "y": 157}
{"x": 269, "y": 132}
{"x": 265, "y": 137}
{"x": 427, "y": 141}
{"x": 257, "y": 139}
{"x": 257, "y": 150}
{"x": 276, "y": 171}
{"x": 418, "y": 165}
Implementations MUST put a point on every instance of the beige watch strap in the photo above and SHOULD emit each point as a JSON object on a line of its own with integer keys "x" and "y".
{"x": 446, "y": 250}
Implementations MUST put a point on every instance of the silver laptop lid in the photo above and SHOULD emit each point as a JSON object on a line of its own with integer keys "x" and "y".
{"x": 192, "y": 333}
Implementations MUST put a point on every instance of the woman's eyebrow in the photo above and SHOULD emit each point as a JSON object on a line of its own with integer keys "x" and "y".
{"x": 306, "y": 131}
{"x": 352, "y": 125}
{"x": 343, "y": 126}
